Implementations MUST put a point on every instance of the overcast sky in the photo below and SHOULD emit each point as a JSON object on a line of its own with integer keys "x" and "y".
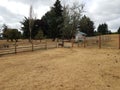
{"x": 100, "y": 11}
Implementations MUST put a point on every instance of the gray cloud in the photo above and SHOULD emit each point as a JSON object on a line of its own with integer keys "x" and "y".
{"x": 36, "y": 3}
{"x": 26, "y": 1}
{"x": 105, "y": 11}
{"x": 9, "y": 18}
{"x": 99, "y": 11}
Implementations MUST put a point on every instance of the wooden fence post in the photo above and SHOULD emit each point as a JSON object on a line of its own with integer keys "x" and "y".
{"x": 84, "y": 42}
{"x": 46, "y": 45}
{"x": 57, "y": 43}
{"x": 119, "y": 41}
{"x": 78, "y": 43}
{"x": 15, "y": 47}
{"x": 100, "y": 41}
{"x": 62, "y": 42}
{"x": 72, "y": 42}
{"x": 32, "y": 45}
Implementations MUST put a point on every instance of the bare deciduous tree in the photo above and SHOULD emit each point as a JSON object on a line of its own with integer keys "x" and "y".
{"x": 72, "y": 16}
{"x": 32, "y": 18}
{"x": 75, "y": 14}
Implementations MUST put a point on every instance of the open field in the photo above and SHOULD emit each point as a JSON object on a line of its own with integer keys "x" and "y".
{"x": 61, "y": 69}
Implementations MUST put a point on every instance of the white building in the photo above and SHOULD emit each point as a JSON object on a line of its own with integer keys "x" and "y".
{"x": 79, "y": 36}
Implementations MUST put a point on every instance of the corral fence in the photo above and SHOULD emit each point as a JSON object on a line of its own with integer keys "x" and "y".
{"x": 102, "y": 41}
{"x": 25, "y": 46}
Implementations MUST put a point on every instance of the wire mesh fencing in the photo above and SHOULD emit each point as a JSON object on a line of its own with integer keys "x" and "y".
{"x": 103, "y": 41}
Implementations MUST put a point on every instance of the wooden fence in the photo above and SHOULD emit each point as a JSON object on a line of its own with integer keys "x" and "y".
{"x": 88, "y": 42}
{"x": 102, "y": 41}
{"x": 16, "y": 47}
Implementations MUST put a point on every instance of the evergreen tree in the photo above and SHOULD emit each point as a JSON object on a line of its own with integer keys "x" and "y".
{"x": 25, "y": 28}
{"x": 12, "y": 34}
{"x": 87, "y": 26}
{"x": 39, "y": 35}
{"x": 119, "y": 30}
{"x": 54, "y": 21}
{"x": 103, "y": 29}
{"x": 34, "y": 29}
{"x": 58, "y": 19}
{"x": 5, "y": 28}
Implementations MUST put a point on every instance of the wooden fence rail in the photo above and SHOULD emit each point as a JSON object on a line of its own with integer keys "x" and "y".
{"x": 95, "y": 42}
{"x": 16, "y": 48}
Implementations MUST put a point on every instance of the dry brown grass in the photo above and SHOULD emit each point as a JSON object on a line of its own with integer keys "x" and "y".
{"x": 61, "y": 69}
{"x": 114, "y": 42}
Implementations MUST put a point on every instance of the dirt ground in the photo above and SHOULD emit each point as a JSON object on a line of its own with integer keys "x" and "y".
{"x": 61, "y": 69}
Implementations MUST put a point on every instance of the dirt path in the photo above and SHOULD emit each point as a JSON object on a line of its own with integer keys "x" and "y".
{"x": 61, "y": 69}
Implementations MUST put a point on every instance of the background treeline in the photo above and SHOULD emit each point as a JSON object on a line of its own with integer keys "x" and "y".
{"x": 60, "y": 22}
{"x": 11, "y": 34}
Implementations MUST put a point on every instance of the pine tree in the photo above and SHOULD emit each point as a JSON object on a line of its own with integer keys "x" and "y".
{"x": 119, "y": 30}
{"x": 87, "y": 26}
{"x": 53, "y": 21}
{"x": 58, "y": 19}
{"x": 103, "y": 29}
{"x": 40, "y": 35}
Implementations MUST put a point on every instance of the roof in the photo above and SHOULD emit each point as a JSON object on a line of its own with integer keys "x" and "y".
{"x": 79, "y": 32}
